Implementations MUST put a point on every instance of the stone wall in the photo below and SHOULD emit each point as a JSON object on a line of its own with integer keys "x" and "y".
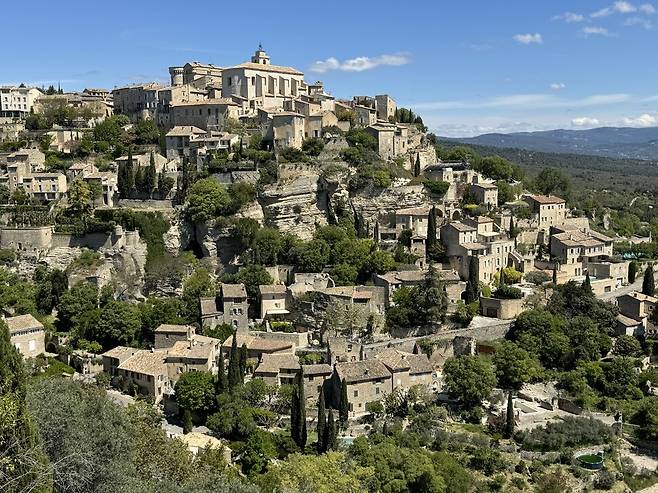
{"x": 146, "y": 204}
{"x": 33, "y": 240}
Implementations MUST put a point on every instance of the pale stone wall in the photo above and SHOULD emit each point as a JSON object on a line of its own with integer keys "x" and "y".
{"x": 503, "y": 309}
{"x": 30, "y": 342}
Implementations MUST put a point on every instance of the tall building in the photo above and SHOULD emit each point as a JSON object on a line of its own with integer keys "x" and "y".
{"x": 17, "y": 101}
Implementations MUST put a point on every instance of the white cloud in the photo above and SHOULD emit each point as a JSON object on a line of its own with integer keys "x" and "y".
{"x": 359, "y": 64}
{"x": 644, "y": 120}
{"x": 617, "y": 7}
{"x": 558, "y": 86}
{"x": 525, "y": 101}
{"x": 585, "y": 121}
{"x": 569, "y": 17}
{"x": 639, "y": 21}
{"x": 647, "y": 8}
{"x": 529, "y": 38}
{"x": 596, "y": 31}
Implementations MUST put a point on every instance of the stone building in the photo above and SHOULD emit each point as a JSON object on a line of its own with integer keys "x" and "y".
{"x": 44, "y": 187}
{"x": 273, "y": 301}
{"x": 262, "y": 84}
{"x": 407, "y": 369}
{"x": 278, "y": 369}
{"x": 367, "y": 381}
{"x": 549, "y": 210}
{"x": 314, "y": 377}
{"x": 205, "y": 114}
{"x": 571, "y": 248}
{"x": 17, "y": 101}
{"x": 258, "y": 345}
{"x": 203, "y": 74}
{"x": 27, "y": 334}
{"x": 231, "y": 307}
{"x": 414, "y": 219}
{"x": 178, "y": 140}
{"x": 485, "y": 193}
{"x": 137, "y": 101}
{"x": 166, "y": 335}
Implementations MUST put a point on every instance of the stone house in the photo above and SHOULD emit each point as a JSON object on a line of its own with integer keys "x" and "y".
{"x": 44, "y": 187}
{"x": 317, "y": 121}
{"x": 286, "y": 129}
{"x": 366, "y": 116}
{"x": 342, "y": 349}
{"x": 572, "y": 248}
{"x": 385, "y": 106}
{"x": 206, "y": 114}
{"x": 636, "y": 305}
{"x": 278, "y": 369}
{"x": 198, "y": 353}
{"x": 230, "y": 308}
{"x": 262, "y": 84}
{"x": 107, "y": 182}
{"x": 505, "y": 309}
{"x": 166, "y": 335}
{"x": 413, "y": 218}
{"x": 549, "y": 210}
{"x": 407, "y": 369}
{"x": 137, "y": 101}
{"x": 17, "y": 101}
{"x": 27, "y": 334}
{"x": 457, "y": 174}
{"x": 485, "y": 193}
{"x": 455, "y": 234}
{"x": 258, "y": 345}
{"x": 178, "y": 139}
{"x": 273, "y": 301}
{"x": 33, "y": 157}
{"x": 315, "y": 377}
{"x": 367, "y": 381}
{"x": 147, "y": 370}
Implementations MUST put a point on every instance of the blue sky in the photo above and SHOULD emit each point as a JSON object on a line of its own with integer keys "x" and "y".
{"x": 467, "y": 67}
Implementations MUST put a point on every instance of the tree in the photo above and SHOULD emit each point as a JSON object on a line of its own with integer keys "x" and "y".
{"x": 555, "y": 274}
{"x": 552, "y": 181}
{"x": 311, "y": 256}
{"x": 626, "y": 345}
{"x": 187, "y": 422}
{"x": 242, "y": 362}
{"x": 150, "y": 176}
{"x": 473, "y": 283}
{"x": 632, "y": 271}
{"x": 648, "y": 283}
{"x": 331, "y": 432}
{"x": 129, "y": 174}
{"x": 299, "y": 433}
{"x": 322, "y": 423}
{"x": 431, "y": 230}
{"x": 313, "y": 146}
{"x": 509, "y": 417}
{"x": 252, "y": 276}
{"x": 234, "y": 364}
{"x": 118, "y": 324}
{"x": 207, "y": 199}
{"x": 75, "y": 307}
{"x": 514, "y": 366}
{"x": 587, "y": 284}
{"x": 221, "y": 382}
{"x": 22, "y": 463}
{"x": 469, "y": 378}
{"x": 344, "y": 405}
{"x": 195, "y": 392}
{"x": 78, "y": 198}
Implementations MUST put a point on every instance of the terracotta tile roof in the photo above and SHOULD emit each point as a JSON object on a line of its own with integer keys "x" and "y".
{"x": 206, "y": 102}
{"x": 627, "y": 321}
{"x": 183, "y": 131}
{"x": 258, "y": 344}
{"x": 146, "y": 363}
{"x": 413, "y": 211}
{"x": 319, "y": 369}
{"x": 546, "y": 199}
{"x": 233, "y": 291}
{"x": 23, "y": 322}
{"x": 208, "y": 306}
{"x": 486, "y": 186}
{"x": 120, "y": 352}
{"x": 274, "y": 363}
{"x": 362, "y": 371}
{"x": 459, "y": 226}
{"x": 172, "y": 329}
{"x": 578, "y": 238}
{"x": 394, "y": 360}
{"x": 272, "y": 289}
{"x": 267, "y": 68}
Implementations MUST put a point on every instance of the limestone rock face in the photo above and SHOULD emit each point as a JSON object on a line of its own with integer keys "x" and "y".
{"x": 179, "y": 235}
{"x": 252, "y": 211}
{"x": 296, "y": 204}
{"x": 374, "y": 205}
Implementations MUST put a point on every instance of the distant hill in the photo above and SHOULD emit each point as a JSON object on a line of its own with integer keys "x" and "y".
{"x": 586, "y": 171}
{"x": 616, "y": 142}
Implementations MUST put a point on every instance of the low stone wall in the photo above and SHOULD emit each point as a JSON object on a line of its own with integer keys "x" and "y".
{"x": 145, "y": 204}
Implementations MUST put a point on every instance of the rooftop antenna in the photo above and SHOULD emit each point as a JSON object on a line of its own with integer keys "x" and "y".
{"x": 260, "y": 46}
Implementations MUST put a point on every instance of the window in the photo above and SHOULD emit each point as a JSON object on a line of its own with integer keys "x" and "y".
{"x": 376, "y": 390}
{"x": 32, "y": 345}
{"x": 356, "y": 393}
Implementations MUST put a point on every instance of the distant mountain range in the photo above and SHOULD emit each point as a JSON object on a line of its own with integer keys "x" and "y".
{"x": 615, "y": 142}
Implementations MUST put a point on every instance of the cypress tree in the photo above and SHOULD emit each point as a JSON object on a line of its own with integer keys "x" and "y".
{"x": 331, "y": 432}
{"x": 23, "y": 461}
{"x": 509, "y": 418}
{"x": 121, "y": 180}
{"x": 322, "y": 423}
{"x": 385, "y": 428}
{"x": 375, "y": 232}
{"x": 344, "y": 406}
{"x": 473, "y": 283}
{"x": 417, "y": 166}
{"x": 431, "y": 231}
{"x": 129, "y": 174}
{"x": 555, "y": 274}
{"x": 587, "y": 285}
{"x": 234, "y": 365}
{"x": 150, "y": 176}
{"x": 140, "y": 183}
{"x": 294, "y": 416}
{"x": 221, "y": 384}
{"x": 301, "y": 417}
{"x": 648, "y": 283}
{"x": 187, "y": 422}
{"x": 242, "y": 362}
{"x": 632, "y": 271}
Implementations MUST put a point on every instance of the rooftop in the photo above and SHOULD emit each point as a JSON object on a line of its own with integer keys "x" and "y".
{"x": 272, "y": 289}
{"x": 267, "y": 68}
{"x": 273, "y": 363}
{"x": 413, "y": 211}
{"x": 233, "y": 291}
{"x": 318, "y": 369}
{"x": 183, "y": 131}
{"x": 22, "y": 322}
{"x": 546, "y": 199}
{"x": 146, "y": 363}
{"x": 362, "y": 371}
{"x": 172, "y": 329}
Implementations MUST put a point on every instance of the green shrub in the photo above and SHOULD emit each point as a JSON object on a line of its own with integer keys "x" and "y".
{"x": 506, "y": 292}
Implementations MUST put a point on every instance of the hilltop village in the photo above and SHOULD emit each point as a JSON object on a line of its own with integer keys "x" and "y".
{"x": 300, "y": 282}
